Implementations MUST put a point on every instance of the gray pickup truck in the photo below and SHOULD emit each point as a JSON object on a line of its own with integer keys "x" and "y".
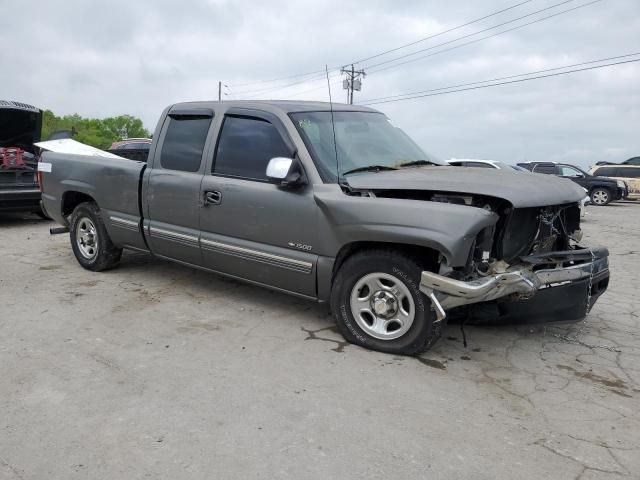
{"x": 334, "y": 204}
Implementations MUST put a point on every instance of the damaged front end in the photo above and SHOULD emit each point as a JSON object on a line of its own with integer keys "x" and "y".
{"x": 528, "y": 267}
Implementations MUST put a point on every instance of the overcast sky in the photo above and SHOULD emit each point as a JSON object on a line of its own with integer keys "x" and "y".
{"x": 103, "y": 58}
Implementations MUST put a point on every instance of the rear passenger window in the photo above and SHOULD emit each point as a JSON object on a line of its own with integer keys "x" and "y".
{"x": 629, "y": 172}
{"x": 245, "y": 147}
{"x": 548, "y": 169}
{"x": 184, "y": 142}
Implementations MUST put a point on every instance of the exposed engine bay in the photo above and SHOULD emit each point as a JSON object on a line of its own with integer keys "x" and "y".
{"x": 527, "y": 250}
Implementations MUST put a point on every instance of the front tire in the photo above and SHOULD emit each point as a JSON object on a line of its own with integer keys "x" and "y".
{"x": 90, "y": 241}
{"x": 600, "y": 196}
{"x": 377, "y": 304}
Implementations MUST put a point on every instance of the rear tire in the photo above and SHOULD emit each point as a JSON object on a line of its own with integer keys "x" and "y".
{"x": 377, "y": 304}
{"x": 90, "y": 241}
{"x": 600, "y": 196}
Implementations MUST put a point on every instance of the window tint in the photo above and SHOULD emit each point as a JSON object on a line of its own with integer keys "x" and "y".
{"x": 136, "y": 146}
{"x": 605, "y": 172}
{"x": 245, "y": 147}
{"x": 548, "y": 169}
{"x": 567, "y": 171}
{"x": 628, "y": 172}
{"x": 184, "y": 142}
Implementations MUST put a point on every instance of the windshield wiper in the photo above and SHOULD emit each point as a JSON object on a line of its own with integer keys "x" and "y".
{"x": 369, "y": 168}
{"x": 416, "y": 163}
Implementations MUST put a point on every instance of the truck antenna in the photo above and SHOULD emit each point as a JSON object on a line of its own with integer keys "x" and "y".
{"x": 333, "y": 125}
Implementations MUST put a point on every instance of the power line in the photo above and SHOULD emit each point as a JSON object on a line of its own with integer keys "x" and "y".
{"x": 452, "y": 41}
{"x": 317, "y": 72}
{"x": 288, "y": 77}
{"x": 471, "y": 22}
{"x": 273, "y": 89}
{"x": 503, "y": 83}
{"x": 280, "y": 87}
{"x": 497, "y": 79}
{"x": 334, "y": 84}
{"x": 478, "y": 32}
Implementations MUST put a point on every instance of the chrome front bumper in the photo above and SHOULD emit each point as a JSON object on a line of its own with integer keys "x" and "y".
{"x": 446, "y": 293}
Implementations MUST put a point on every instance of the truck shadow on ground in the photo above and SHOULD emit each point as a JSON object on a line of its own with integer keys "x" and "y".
{"x": 314, "y": 320}
{"x": 20, "y": 219}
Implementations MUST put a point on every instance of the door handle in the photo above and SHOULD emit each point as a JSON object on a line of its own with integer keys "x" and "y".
{"x": 212, "y": 197}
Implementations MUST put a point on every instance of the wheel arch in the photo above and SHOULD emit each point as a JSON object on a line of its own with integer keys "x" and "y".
{"x": 427, "y": 256}
{"x": 71, "y": 199}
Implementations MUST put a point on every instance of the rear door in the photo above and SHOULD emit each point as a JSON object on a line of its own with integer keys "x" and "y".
{"x": 631, "y": 176}
{"x": 251, "y": 228}
{"x": 173, "y": 189}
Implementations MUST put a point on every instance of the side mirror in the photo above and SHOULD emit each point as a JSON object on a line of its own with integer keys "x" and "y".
{"x": 286, "y": 172}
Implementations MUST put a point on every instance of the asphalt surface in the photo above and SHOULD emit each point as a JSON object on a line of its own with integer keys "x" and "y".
{"x": 154, "y": 370}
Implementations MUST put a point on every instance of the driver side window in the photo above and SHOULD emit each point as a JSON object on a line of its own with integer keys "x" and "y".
{"x": 566, "y": 171}
{"x": 245, "y": 147}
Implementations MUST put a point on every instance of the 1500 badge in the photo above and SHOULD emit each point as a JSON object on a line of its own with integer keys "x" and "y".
{"x": 300, "y": 246}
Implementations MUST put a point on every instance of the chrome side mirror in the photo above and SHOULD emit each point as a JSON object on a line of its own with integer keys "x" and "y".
{"x": 278, "y": 168}
{"x": 285, "y": 172}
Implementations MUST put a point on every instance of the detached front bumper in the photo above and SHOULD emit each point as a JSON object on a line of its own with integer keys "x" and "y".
{"x": 568, "y": 284}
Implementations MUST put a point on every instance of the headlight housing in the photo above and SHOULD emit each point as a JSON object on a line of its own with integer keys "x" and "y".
{"x": 621, "y": 184}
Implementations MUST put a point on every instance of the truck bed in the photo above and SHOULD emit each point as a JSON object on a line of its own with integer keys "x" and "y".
{"x": 113, "y": 183}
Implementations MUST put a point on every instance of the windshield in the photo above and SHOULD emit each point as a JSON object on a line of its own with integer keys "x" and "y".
{"x": 363, "y": 139}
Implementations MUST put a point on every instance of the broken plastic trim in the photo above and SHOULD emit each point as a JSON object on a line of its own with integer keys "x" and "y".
{"x": 446, "y": 293}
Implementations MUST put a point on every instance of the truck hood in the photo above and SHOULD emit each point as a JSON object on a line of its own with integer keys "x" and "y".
{"x": 521, "y": 189}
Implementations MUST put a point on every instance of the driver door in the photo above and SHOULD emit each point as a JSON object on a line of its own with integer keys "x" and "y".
{"x": 250, "y": 227}
{"x": 572, "y": 173}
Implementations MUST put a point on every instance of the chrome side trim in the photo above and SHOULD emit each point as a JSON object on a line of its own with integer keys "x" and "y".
{"x": 246, "y": 280}
{"x": 258, "y": 256}
{"x": 124, "y": 223}
{"x": 182, "y": 238}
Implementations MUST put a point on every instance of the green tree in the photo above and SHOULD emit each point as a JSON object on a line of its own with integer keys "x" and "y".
{"x": 99, "y": 133}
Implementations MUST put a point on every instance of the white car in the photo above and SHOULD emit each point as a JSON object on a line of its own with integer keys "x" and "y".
{"x": 474, "y": 162}
{"x": 584, "y": 202}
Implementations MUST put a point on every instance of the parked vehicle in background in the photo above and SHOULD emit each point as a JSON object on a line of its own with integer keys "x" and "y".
{"x": 472, "y": 162}
{"x": 629, "y": 174}
{"x": 333, "y": 203}
{"x": 132, "y": 148}
{"x": 630, "y": 161}
{"x": 20, "y": 128}
{"x": 602, "y": 190}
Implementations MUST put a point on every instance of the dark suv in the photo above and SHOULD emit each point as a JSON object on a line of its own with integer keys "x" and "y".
{"x": 602, "y": 190}
{"x": 20, "y": 126}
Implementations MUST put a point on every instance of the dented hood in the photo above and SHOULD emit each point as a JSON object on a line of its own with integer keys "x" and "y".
{"x": 522, "y": 189}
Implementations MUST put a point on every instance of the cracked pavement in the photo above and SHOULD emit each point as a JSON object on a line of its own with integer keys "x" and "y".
{"x": 154, "y": 370}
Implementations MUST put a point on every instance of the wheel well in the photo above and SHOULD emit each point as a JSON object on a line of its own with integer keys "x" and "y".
{"x": 427, "y": 257}
{"x": 71, "y": 200}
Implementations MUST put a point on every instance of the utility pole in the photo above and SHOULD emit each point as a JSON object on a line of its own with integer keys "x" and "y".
{"x": 353, "y": 82}
{"x": 219, "y": 91}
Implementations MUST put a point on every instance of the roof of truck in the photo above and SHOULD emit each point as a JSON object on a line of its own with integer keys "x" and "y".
{"x": 12, "y": 105}
{"x": 286, "y": 106}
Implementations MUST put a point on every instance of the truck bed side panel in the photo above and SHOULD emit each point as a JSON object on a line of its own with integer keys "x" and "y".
{"x": 114, "y": 184}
